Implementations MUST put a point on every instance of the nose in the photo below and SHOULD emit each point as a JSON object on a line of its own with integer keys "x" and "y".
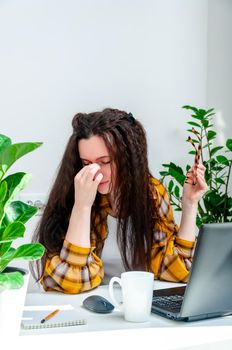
{"x": 99, "y": 172}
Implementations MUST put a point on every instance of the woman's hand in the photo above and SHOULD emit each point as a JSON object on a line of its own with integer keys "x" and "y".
{"x": 194, "y": 188}
{"x": 195, "y": 185}
{"x": 86, "y": 183}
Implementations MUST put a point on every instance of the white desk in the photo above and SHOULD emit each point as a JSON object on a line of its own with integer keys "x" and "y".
{"x": 173, "y": 334}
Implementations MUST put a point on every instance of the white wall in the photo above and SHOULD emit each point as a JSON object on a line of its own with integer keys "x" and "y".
{"x": 59, "y": 57}
{"x": 219, "y": 72}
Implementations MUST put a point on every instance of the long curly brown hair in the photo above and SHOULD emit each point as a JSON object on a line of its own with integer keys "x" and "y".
{"x": 125, "y": 139}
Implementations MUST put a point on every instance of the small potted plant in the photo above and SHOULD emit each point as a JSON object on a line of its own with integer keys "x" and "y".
{"x": 13, "y": 216}
{"x": 216, "y": 205}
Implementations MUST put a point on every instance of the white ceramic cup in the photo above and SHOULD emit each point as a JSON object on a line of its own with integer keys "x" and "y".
{"x": 137, "y": 291}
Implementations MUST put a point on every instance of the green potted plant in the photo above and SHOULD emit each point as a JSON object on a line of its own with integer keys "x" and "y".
{"x": 216, "y": 205}
{"x": 13, "y": 216}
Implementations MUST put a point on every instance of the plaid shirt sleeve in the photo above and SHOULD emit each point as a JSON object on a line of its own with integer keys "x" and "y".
{"x": 73, "y": 271}
{"x": 171, "y": 256}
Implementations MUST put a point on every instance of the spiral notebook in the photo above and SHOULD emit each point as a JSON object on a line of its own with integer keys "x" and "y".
{"x": 64, "y": 318}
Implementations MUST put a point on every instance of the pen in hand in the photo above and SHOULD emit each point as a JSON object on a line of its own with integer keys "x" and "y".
{"x": 46, "y": 318}
{"x": 197, "y": 154}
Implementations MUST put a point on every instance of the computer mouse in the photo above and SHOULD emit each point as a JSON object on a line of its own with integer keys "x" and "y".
{"x": 99, "y": 304}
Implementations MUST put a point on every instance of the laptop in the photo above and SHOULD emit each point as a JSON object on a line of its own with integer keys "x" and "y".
{"x": 208, "y": 292}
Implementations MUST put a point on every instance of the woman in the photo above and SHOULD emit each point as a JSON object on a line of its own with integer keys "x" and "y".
{"x": 104, "y": 181}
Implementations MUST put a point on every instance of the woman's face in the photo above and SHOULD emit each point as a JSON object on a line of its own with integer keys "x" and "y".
{"x": 94, "y": 150}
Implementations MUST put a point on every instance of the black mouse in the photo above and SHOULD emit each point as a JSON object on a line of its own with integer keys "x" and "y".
{"x": 99, "y": 304}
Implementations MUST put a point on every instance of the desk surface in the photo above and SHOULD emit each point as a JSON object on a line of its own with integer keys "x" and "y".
{"x": 112, "y": 321}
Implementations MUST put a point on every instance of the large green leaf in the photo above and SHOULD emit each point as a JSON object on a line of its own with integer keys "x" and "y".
{"x": 177, "y": 172}
{"x": 177, "y": 191}
{"x": 29, "y": 251}
{"x": 219, "y": 180}
{"x": 194, "y": 109}
{"x": 3, "y": 193}
{"x": 205, "y": 123}
{"x": 223, "y": 160}
{"x": 11, "y": 280}
{"x": 229, "y": 144}
{"x": 170, "y": 186}
{"x": 210, "y": 110}
{"x": 163, "y": 173}
{"x": 194, "y": 124}
{"x": 11, "y": 153}
{"x": 6, "y": 258}
{"x": 12, "y": 231}
{"x": 213, "y": 201}
{"x": 18, "y": 211}
{"x": 8, "y": 254}
{"x": 198, "y": 112}
{"x": 4, "y": 142}
{"x": 4, "y": 248}
{"x": 211, "y": 135}
{"x": 215, "y": 150}
{"x": 201, "y": 112}
{"x": 15, "y": 184}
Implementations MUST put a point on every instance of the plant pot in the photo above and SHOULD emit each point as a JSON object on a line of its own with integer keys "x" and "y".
{"x": 11, "y": 306}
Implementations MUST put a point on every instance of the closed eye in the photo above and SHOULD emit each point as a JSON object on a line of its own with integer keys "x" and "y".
{"x": 84, "y": 163}
{"x": 104, "y": 163}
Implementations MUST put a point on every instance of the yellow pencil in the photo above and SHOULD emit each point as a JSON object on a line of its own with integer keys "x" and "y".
{"x": 49, "y": 316}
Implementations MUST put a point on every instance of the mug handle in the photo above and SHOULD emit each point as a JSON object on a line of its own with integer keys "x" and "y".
{"x": 111, "y": 291}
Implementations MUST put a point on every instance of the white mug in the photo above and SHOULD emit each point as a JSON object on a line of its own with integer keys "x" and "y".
{"x": 137, "y": 291}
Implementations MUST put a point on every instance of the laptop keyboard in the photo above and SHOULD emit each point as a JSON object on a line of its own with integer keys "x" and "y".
{"x": 171, "y": 302}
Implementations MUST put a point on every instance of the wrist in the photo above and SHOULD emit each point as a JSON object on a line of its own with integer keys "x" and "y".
{"x": 80, "y": 212}
{"x": 189, "y": 205}
{"x": 78, "y": 232}
{"x": 77, "y": 208}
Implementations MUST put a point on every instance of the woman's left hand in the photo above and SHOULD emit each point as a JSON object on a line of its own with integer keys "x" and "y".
{"x": 195, "y": 185}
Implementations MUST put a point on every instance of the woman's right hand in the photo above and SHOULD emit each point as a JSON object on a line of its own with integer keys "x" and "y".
{"x": 86, "y": 183}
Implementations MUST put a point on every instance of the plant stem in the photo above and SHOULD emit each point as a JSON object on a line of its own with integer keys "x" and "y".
{"x": 210, "y": 170}
{"x": 174, "y": 203}
{"x": 226, "y": 190}
{"x": 200, "y": 209}
{"x": 216, "y": 184}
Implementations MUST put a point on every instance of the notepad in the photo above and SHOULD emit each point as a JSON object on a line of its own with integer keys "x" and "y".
{"x": 64, "y": 318}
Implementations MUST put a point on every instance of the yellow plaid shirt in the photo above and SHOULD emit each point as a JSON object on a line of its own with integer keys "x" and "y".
{"x": 76, "y": 269}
